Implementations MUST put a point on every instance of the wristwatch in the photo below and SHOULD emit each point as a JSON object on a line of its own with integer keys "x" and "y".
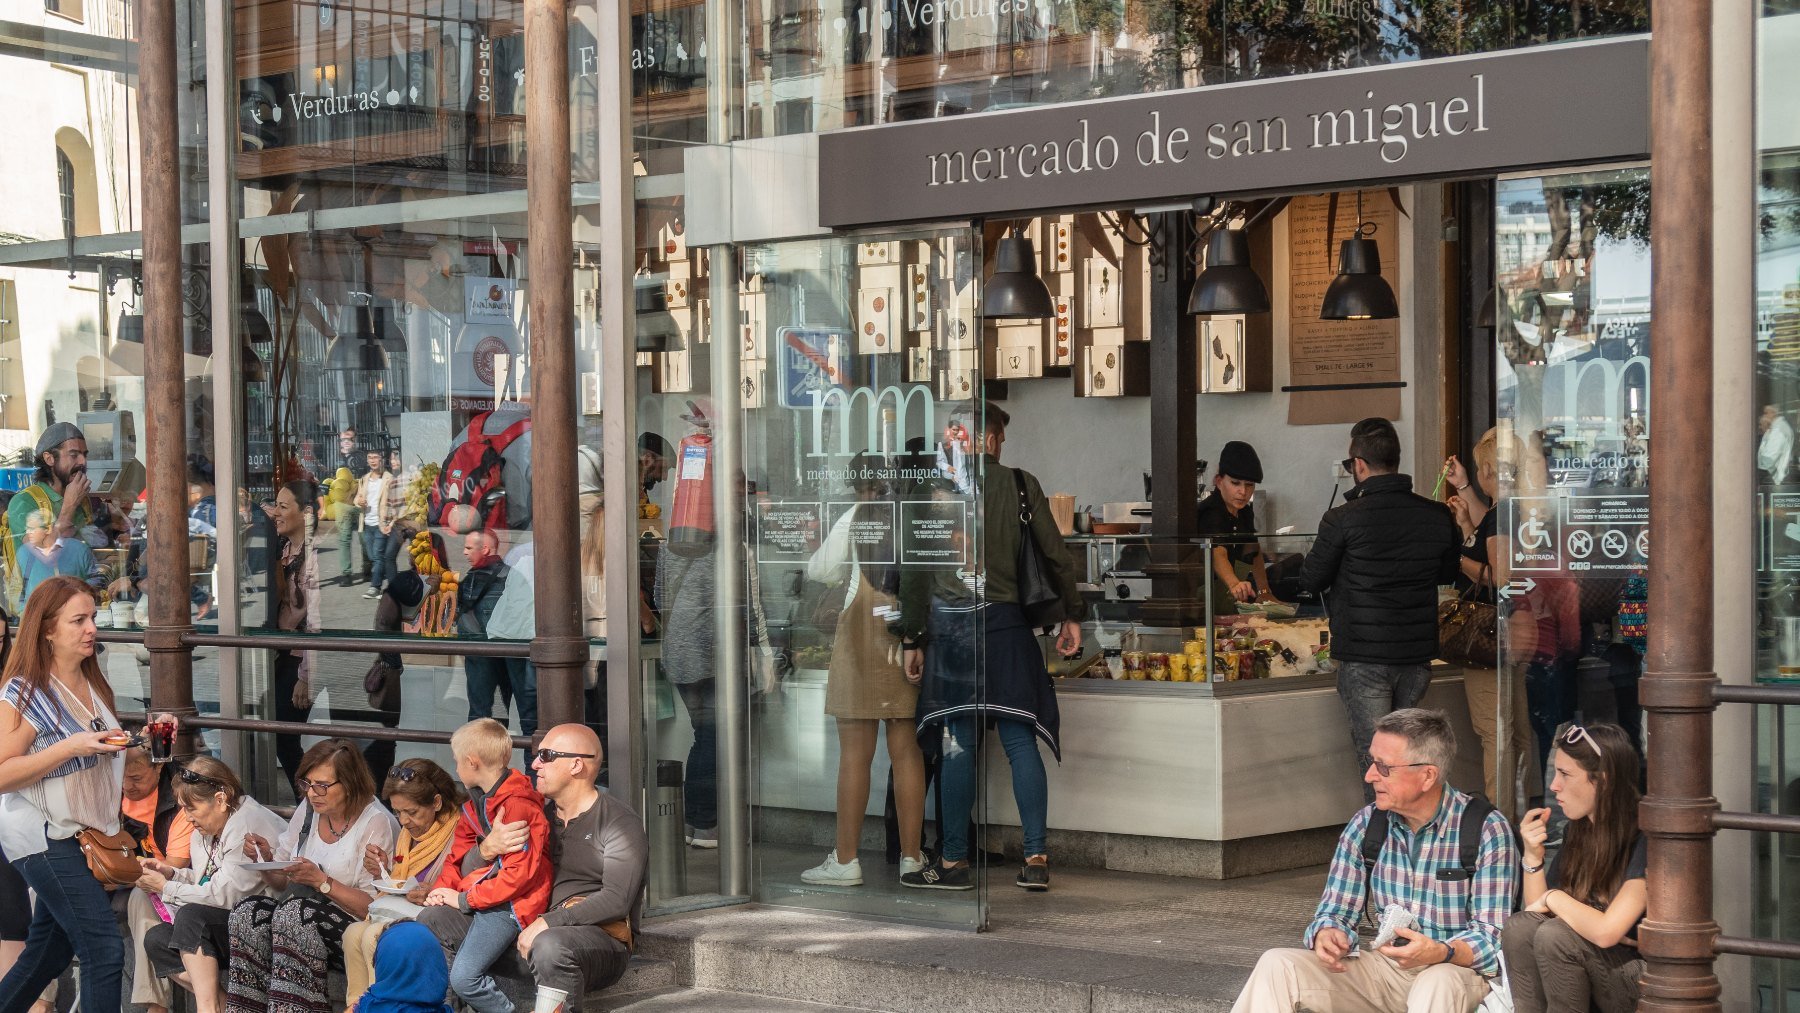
{"x": 325, "y": 887}
{"x": 1531, "y": 868}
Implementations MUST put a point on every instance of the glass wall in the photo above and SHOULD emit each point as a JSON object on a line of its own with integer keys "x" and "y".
{"x": 1567, "y": 468}
{"x": 1776, "y": 350}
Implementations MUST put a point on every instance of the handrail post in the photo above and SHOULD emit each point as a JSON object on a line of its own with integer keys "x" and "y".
{"x": 1678, "y": 932}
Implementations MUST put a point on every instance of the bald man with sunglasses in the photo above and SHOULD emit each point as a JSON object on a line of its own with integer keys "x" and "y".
{"x": 583, "y": 943}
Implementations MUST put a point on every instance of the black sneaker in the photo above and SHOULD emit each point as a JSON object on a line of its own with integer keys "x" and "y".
{"x": 1034, "y": 877}
{"x": 935, "y": 877}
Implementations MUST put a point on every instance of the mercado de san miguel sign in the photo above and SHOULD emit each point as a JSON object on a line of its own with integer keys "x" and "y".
{"x": 1558, "y": 105}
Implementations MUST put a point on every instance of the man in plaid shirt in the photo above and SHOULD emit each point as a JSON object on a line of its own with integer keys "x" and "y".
{"x": 1443, "y": 967}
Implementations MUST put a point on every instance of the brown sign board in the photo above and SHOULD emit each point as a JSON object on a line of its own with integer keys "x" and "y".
{"x": 1557, "y": 105}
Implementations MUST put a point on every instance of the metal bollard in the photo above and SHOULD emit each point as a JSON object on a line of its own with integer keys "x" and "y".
{"x": 665, "y": 826}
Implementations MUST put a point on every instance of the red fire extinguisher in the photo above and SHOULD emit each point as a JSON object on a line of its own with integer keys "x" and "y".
{"x": 691, "y": 527}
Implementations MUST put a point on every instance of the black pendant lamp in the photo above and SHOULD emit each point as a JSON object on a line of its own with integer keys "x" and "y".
{"x": 1359, "y": 292}
{"x": 1014, "y": 291}
{"x": 1228, "y": 284}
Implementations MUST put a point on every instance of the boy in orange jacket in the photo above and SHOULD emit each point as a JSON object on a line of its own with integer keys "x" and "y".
{"x": 496, "y": 899}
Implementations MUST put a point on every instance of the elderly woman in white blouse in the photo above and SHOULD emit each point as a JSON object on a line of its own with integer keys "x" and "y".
{"x": 283, "y": 949}
{"x": 179, "y": 916}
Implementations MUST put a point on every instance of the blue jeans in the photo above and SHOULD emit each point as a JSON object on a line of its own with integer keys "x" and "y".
{"x": 74, "y": 918}
{"x": 514, "y": 678}
{"x": 1370, "y": 692}
{"x": 700, "y": 794}
{"x": 375, "y": 550}
{"x": 491, "y": 934}
{"x": 957, "y": 780}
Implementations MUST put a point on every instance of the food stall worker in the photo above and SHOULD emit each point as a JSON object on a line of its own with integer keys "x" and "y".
{"x": 1239, "y": 570}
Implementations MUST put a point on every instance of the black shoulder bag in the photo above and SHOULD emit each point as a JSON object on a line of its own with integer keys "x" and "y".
{"x": 1038, "y": 594}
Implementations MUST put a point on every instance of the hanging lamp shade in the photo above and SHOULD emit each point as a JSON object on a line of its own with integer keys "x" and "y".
{"x": 1015, "y": 292}
{"x": 657, "y": 330}
{"x": 1359, "y": 292}
{"x": 131, "y": 327}
{"x": 1228, "y": 284}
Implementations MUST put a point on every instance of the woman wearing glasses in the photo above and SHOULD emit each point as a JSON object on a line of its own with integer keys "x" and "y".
{"x": 283, "y": 948}
{"x": 178, "y": 915}
{"x": 427, "y": 801}
{"x": 61, "y": 773}
{"x": 1576, "y": 941}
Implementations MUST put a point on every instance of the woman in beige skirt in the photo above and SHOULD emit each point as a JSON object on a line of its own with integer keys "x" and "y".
{"x": 868, "y": 693}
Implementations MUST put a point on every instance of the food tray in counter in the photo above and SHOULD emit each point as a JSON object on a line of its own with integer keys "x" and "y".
{"x": 1215, "y": 690}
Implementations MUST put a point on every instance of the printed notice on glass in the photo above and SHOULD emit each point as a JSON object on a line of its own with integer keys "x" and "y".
{"x": 786, "y": 532}
{"x": 1324, "y": 354}
{"x": 1784, "y": 531}
{"x": 871, "y": 529}
{"x": 934, "y": 533}
{"x": 1607, "y": 532}
{"x": 1535, "y": 532}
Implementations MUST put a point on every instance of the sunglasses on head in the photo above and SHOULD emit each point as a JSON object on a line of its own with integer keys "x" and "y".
{"x": 190, "y": 777}
{"x": 552, "y": 755}
{"x": 1576, "y": 733}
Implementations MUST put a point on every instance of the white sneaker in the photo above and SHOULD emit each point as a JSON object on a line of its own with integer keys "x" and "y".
{"x": 831, "y": 873}
{"x": 909, "y": 865}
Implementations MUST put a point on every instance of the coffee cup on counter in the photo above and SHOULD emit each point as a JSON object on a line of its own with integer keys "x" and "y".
{"x": 1084, "y": 522}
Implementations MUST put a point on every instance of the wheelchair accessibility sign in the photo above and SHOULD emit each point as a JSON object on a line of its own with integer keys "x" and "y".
{"x": 1535, "y": 526}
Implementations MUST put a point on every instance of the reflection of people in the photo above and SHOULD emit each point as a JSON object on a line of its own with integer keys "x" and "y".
{"x": 1239, "y": 571}
{"x": 958, "y": 627}
{"x": 44, "y": 555}
{"x": 1442, "y": 963}
{"x": 1381, "y": 554}
{"x": 477, "y": 596}
{"x": 377, "y": 521}
{"x": 396, "y": 612}
{"x": 653, "y": 459}
{"x": 1776, "y": 450}
{"x": 867, "y": 692}
{"x": 295, "y": 608}
{"x": 60, "y": 488}
{"x": 1575, "y": 942}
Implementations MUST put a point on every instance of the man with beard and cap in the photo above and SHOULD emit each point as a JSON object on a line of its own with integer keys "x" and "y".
{"x": 60, "y": 490}
{"x": 1239, "y": 570}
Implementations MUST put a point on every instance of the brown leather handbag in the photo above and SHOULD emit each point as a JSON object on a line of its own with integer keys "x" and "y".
{"x": 1468, "y": 631}
{"x": 112, "y": 858}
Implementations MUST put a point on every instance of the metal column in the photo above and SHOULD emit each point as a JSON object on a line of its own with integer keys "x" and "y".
{"x": 618, "y": 370}
{"x": 1678, "y": 932}
{"x": 165, "y": 397}
{"x": 559, "y": 651}
{"x": 728, "y": 498}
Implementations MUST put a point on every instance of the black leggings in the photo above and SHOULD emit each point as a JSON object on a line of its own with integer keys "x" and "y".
{"x": 15, "y": 904}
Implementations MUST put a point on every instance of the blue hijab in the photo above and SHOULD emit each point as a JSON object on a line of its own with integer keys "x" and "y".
{"x": 410, "y": 974}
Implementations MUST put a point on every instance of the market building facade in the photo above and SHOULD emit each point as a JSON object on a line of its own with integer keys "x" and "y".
{"x": 696, "y": 286}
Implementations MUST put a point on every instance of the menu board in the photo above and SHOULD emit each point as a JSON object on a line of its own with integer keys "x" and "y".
{"x": 1329, "y": 353}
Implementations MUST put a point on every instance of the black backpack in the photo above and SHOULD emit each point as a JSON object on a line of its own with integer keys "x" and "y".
{"x": 1468, "y": 847}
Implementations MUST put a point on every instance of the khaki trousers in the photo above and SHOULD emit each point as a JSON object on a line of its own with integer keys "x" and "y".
{"x": 1286, "y": 981}
{"x": 1482, "y": 687}
{"x": 146, "y": 988}
{"x": 359, "y": 958}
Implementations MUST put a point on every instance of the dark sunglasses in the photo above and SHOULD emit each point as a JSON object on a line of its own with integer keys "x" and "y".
{"x": 552, "y": 755}
{"x": 407, "y": 774}
{"x": 189, "y": 777}
{"x": 1349, "y": 465}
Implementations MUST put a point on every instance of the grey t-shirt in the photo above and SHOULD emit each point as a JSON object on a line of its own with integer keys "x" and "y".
{"x": 601, "y": 856}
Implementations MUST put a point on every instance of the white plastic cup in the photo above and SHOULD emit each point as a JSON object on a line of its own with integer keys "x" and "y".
{"x": 549, "y": 1000}
{"x": 121, "y": 614}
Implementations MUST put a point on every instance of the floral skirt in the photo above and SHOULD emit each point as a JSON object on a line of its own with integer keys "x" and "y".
{"x": 282, "y": 951}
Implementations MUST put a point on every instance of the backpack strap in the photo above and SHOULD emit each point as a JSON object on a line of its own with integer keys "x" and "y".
{"x": 1374, "y": 837}
{"x": 1468, "y": 836}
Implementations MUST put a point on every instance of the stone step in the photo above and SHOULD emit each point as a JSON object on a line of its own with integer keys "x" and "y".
{"x": 1098, "y": 943}
{"x": 703, "y": 1000}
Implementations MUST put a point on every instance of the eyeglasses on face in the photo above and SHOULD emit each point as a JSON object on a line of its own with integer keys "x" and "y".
{"x": 552, "y": 755}
{"x": 1349, "y": 465}
{"x": 1387, "y": 769}
{"x": 190, "y": 777}
{"x": 314, "y": 787}
{"x": 1577, "y": 733}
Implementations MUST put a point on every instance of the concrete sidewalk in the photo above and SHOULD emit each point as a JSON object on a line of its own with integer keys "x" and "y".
{"x": 1099, "y": 942}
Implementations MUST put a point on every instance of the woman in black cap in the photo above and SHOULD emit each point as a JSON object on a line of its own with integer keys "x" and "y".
{"x": 1228, "y": 517}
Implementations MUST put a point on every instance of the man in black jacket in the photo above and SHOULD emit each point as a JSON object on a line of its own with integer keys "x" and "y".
{"x": 1380, "y": 556}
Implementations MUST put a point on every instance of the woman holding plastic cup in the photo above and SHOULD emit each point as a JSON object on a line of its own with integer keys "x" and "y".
{"x": 61, "y": 773}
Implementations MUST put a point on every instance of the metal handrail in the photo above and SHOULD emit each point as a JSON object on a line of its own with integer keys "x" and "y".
{"x": 1777, "y": 695}
{"x": 337, "y": 643}
{"x": 1775, "y": 949}
{"x": 1761, "y": 822}
{"x": 328, "y": 730}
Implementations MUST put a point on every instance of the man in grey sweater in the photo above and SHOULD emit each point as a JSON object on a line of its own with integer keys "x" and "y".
{"x": 583, "y": 943}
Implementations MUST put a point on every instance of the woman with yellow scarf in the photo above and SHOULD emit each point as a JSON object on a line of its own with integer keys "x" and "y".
{"x": 427, "y": 802}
